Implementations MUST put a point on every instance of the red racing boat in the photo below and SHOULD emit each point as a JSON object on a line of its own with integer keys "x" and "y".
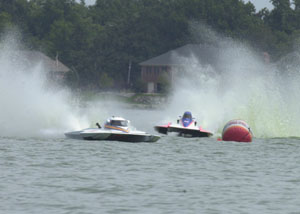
{"x": 186, "y": 126}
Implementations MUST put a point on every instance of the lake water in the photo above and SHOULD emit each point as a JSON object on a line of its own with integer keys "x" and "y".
{"x": 173, "y": 175}
{"x": 43, "y": 172}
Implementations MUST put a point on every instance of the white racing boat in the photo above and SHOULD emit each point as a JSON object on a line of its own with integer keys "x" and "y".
{"x": 115, "y": 129}
{"x": 186, "y": 126}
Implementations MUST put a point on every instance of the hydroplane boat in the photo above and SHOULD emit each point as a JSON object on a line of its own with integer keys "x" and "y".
{"x": 115, "y": 129}
{"x": 186, "y": 126}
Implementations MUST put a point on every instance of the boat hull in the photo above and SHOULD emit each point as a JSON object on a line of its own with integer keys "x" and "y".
{"x": 186, "y": 132}
{"x": 182, "y": 131}
{"x": 133, "y": 138}
{"x": 87, "y": 136}
{"x": 161, "y": 129}
{"x": 97, "y": 134}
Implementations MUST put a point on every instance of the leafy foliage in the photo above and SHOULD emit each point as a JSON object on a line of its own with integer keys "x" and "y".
{"x": 99, "y": 42}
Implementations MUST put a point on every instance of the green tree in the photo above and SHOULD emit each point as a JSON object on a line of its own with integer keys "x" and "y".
{"x": 5, "y": 21}
{"x": 100, "y": 41}
{"x": 281, "y": 17}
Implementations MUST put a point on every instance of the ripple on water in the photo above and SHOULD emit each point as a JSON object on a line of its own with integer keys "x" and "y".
{"x": 174, "y": 175}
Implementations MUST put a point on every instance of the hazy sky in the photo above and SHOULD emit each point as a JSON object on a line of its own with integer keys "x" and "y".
{"x": 259, "y": 4}
{"x": 90, "y": 1}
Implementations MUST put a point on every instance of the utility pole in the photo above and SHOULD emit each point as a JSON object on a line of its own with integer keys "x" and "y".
{"x": 129, "y": 71}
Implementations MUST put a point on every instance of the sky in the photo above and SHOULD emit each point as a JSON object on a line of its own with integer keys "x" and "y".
{"x": 259, "y": 4}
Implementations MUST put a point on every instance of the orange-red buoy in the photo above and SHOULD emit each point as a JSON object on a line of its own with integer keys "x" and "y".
{"x": 237, "y": 130}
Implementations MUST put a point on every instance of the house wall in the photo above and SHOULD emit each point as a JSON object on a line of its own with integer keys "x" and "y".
{"x": 152, "y": 74}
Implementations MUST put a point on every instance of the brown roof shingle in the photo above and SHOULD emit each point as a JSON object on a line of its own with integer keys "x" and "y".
{"x": 27, "y": 58}
{"x": 205, "y": 53}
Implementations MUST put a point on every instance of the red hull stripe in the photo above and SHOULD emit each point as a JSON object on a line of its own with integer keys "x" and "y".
{"x": 116, "y": 128}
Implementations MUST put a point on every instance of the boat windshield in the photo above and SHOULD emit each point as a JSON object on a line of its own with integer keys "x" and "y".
{"x": 187, "y": 115}
{"x": 119, "y": 123}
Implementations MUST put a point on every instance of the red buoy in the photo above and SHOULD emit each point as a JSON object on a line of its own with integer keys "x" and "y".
{"x": 237, "y": 130}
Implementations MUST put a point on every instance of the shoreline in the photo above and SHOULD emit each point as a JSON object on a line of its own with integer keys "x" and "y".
{"x": 135, "y": 100}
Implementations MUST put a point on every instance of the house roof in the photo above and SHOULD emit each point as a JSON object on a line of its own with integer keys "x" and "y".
{"x": 204, "y": 53}
{"x": 28, "y": 58}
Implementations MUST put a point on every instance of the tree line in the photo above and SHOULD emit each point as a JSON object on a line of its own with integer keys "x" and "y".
{"x": 99, "y": 42}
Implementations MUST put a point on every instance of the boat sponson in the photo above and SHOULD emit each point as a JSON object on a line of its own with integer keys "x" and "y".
{"x": 191, "y": 132}
{"x": 161, "y": 129}
{"x": 134, "y": 138}
{"x": 113, "y": 137}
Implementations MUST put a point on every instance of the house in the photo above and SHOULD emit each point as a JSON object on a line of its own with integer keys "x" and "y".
{"x": 54, "y": 68}
{"x": 167, "y": 64}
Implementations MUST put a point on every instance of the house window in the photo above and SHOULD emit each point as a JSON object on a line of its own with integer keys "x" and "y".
{"x": 164, "y": 68}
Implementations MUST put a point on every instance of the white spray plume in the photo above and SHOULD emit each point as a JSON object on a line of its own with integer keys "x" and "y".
{"x": 29, "y": 108}
{"x": 239, "y": 86}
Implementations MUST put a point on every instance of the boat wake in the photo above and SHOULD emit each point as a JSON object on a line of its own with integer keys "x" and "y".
{"x": 263, "y": 94}
{"x": 30, "y": 105}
